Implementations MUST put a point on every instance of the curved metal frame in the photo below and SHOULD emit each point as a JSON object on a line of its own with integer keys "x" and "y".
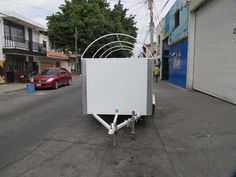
{"x": 118, "y": 46}
{"x": 113, "y": 42}
{"x": 113, "y": 34}
{"x": 116, "y": 51}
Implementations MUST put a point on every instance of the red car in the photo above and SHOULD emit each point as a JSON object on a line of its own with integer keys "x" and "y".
{"x": 52, "y": 78}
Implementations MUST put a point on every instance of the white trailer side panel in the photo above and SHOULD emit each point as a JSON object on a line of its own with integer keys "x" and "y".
{"x": 123, "y": 84}
{"x": 215, "y": 49}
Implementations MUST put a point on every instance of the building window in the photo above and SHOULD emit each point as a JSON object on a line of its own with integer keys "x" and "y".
{"x": 177, "y": 18}
{"x": 44, "y": 44}
{"x": 7, "y": 30}
{"x": 14, "y": 31}
{"x": 159, "y": 39}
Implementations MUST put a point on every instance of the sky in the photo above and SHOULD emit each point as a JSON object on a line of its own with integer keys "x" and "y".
{"x": 37, "y": 10}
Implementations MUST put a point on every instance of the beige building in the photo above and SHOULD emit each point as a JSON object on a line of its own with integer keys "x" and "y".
{"x": 54, "y": 59}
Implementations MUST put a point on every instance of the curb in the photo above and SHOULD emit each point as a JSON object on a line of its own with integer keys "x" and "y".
{"x": 11, "y": 91}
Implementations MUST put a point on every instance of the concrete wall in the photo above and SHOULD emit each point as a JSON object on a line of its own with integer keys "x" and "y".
{"x": 191, "y": 49}
{"x": 44, "y": 38}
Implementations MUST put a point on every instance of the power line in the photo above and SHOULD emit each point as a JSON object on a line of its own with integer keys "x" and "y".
{"x": 131, "y": 2}
{"x": 27, "y": 5}
{"x": 144, "y": 40}
{"x": 159, "y": 13}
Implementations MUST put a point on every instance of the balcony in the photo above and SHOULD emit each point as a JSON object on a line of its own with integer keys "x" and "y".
{"x": 23, "y": 45}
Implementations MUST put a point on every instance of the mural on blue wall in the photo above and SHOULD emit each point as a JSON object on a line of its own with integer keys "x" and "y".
{"x": 177, "y": 60}
{"x": 176, "y": 27}
{"x": 178, "y": 63}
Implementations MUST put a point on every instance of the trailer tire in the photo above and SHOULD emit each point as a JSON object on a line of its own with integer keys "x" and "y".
{"x": 153, "y": 109}
{"x": 132, "y": 136}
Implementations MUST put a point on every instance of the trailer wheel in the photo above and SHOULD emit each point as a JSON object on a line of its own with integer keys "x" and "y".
{"x": 153, "y": 109}
{"x": 132, "y": 136}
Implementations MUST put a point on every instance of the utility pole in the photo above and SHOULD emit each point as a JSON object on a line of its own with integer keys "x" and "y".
{"x": 150, "y": 7}
{"x": 76, "y": 52}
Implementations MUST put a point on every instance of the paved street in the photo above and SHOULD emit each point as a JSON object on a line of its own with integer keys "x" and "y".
{"x": 45, "y": 134}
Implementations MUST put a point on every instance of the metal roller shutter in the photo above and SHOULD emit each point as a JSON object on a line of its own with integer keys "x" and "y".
{"x": 215, "y": 49}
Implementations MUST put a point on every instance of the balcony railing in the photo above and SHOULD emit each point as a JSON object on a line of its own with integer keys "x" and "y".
{"x": 18, "y": 43}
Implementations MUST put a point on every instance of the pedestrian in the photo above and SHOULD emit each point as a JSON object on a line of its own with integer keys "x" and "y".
{"x": 159, "y": 63}
{"x": 156, "y": 72}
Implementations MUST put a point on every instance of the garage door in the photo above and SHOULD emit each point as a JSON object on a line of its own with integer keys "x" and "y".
{"x": 44, "y": 65}
{"x": 215, "y": 49}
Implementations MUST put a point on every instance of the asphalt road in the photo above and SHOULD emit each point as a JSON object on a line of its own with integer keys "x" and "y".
{"x": 45, "y": 134}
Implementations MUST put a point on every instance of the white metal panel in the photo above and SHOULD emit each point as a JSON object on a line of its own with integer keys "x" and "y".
{"x": 122, "y": 84}
{"x": 215, "y": 49}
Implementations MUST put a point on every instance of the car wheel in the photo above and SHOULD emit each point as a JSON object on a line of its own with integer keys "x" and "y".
{"x": 69, "y": 82}
{"x": 56, "y": 85}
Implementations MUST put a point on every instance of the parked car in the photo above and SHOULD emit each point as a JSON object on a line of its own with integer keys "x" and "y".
{"x": 52, "y": 78}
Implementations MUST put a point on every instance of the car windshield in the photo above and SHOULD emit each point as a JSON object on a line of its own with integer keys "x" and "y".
{"x": 49, "y": 72}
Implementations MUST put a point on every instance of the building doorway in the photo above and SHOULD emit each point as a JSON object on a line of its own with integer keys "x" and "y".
{"x": 58, "y": 64}
{"x": 15, "y": 67}
{"x": 165, "y": 59}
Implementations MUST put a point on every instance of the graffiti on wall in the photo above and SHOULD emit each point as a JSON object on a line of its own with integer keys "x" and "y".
{"x": 2, "y": 80}
{"x": 178, "y": 63}
{"x": 177, "y": 60}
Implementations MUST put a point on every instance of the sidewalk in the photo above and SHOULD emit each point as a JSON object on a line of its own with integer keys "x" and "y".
{"x": 198, "y": 131}
{"x": 5, "y": 88}
{"x": 12, "y": 87}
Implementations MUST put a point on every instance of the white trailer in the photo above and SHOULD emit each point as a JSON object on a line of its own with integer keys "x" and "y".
{"x": 117, "y": 86}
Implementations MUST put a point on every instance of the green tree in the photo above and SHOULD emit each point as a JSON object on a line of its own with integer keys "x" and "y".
{"x": 93, "y": 19}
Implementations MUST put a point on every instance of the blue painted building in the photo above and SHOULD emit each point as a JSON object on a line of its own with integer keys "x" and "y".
{"x": 176, "y": 42}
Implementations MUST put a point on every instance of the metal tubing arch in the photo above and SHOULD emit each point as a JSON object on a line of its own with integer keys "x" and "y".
{"x": 114, "y": 34}
{"x": 113, "y": 42}
{"x": 113, "y": 47}
{"x": 118, "y": 46}
{"x": 118, "y": 50}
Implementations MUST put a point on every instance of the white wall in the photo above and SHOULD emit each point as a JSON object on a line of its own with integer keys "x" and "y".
{"x": 191, "y": 49}
{"x": 44, "y": 38}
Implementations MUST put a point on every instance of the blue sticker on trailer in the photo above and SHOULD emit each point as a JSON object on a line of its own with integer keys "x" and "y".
{"x": 178, "y": 63}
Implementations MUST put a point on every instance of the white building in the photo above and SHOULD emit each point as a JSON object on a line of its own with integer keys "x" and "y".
{"x": 24, "y": 46}
{"x": 212, "y": 48}
{"x": 21, "y": 42}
